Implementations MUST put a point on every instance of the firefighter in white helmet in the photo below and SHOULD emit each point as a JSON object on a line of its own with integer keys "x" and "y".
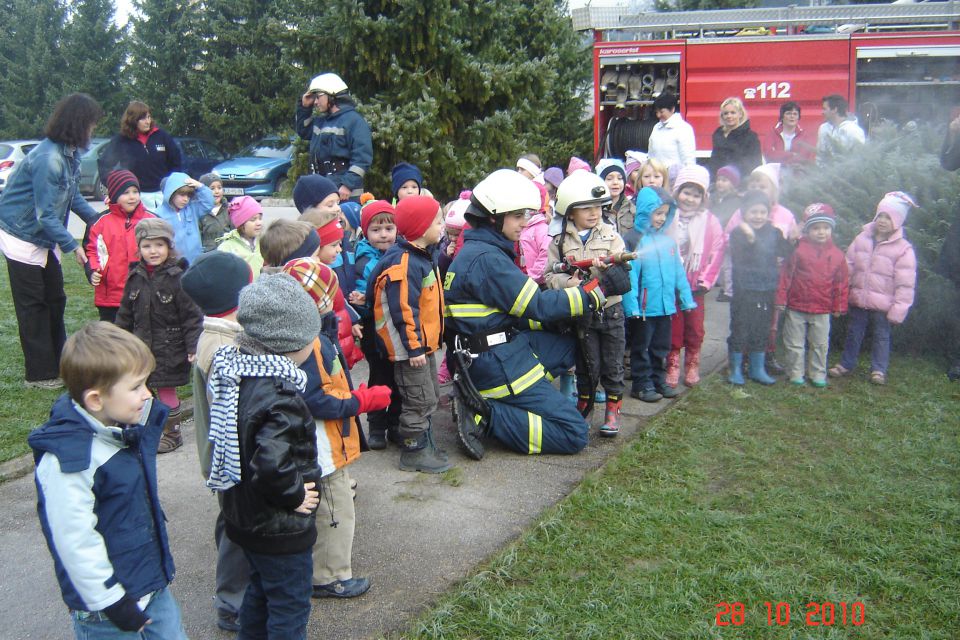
{"x": 340, "y": 144}
{"x": 503, "y": 358}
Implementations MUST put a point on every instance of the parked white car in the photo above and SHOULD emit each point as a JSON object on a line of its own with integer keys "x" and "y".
{"x": 11, "y": 153}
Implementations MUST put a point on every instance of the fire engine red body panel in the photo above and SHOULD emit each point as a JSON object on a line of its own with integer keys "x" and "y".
{"x": 763, "y": 74}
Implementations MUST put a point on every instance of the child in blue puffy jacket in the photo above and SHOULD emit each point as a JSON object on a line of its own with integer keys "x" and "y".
{"x": 185, "y": 201}
{"x": 658, "y": 277}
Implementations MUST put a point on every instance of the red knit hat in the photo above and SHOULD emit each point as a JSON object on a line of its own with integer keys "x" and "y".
{"x": 118, "y": 182}
{"x": 373, "y": 208}
{"x": 330, "y": 232}
{"x": 414, "y": 216}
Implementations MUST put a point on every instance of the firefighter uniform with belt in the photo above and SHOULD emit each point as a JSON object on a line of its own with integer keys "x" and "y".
{"x": 497, "y": 312}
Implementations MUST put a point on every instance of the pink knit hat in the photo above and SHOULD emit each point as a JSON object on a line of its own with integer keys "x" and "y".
{"x": 771, "y": 171}
{"x": 897, "y": 205}
{"x": 693, "y": 174}
{"x": 575, "y": 164}
{"x": 242, "y": 209}
{"x": 455, "y": 214}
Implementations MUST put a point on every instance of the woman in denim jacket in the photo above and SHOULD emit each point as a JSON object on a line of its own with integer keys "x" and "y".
{"x": 33, "y": 232}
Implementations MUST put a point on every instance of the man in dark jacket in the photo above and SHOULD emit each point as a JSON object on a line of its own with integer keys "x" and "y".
{"x": 949, "y": 265}
{"x": 340, "y": 143}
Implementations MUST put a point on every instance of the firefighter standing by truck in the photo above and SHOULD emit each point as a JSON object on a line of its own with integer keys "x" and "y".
{"x": 504, "y": 360}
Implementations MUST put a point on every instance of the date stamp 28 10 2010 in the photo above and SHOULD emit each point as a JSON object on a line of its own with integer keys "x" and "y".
{"x": 818, "y": 614}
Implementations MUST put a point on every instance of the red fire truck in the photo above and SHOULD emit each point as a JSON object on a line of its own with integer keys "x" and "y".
{"x": 897, "y": 62}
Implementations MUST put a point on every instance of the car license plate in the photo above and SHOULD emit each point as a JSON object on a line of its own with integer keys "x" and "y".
{"x": 233, "y": 192}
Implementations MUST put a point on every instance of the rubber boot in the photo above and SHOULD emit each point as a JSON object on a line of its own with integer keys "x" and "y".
{"x": 736, "y": 369}
{"x": 758, "y": 373}
{"x": 568, "y": 386}
{"x": 377, "y": 439}
{"x": 172, "y": 439}
{"x": 421, "y": 454}
{"x": 691, "y": 376}
{"x": 584, "y": 404}
{"x": 611, "y": 419}
{"x": 673, "y": 368}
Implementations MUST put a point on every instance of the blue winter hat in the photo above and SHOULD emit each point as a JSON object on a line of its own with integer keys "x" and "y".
{"x": 609, "y": 165}
{"x": 352, "y": 212}
{"x": 311, "y": 190}
{"x": 405, "y": 171}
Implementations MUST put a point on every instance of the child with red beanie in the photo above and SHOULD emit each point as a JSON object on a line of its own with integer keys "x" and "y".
{"x": 405, "y": 293}
{"x": 111, "y": 244}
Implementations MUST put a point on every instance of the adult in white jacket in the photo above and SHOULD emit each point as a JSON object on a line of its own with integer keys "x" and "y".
{"x": 672, "y": 141}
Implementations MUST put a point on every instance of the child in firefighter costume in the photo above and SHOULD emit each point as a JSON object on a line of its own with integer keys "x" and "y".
{"x": 503, "y": 358}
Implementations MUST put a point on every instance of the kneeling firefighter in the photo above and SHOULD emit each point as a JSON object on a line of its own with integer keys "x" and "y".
{"x": 503, "y": 359}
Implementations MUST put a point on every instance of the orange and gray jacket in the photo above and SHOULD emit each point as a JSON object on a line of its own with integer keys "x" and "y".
{"x": 405, "y": 293}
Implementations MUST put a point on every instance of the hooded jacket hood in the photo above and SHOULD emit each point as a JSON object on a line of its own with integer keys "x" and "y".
{"x": 649, "y": 199}
{"x": 175, "y": 181}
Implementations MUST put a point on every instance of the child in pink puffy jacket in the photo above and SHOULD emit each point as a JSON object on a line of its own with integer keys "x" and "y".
{"x": 535, "y": 241}
{"x": 883, "y": 276}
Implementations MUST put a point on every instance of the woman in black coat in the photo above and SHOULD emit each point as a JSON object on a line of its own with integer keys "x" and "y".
{"x": 733, "y": 141}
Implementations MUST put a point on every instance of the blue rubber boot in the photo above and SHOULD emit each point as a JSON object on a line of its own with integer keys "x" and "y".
{"x": 736, "y": 369}
{"x": 758, "y": 371}
{"x": 568, "y": 386}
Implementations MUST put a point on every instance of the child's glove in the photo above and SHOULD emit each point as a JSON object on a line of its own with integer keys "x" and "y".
{"x": 373, "y": 398}
{"x": 126, "y": 614}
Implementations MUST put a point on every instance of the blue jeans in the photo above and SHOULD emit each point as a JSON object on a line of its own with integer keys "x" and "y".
{"x": 277, "y": 603}
{"x": 162, "y": 610}
{"x": 857, "y": 329}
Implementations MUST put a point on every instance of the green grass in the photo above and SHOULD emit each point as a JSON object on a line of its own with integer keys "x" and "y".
{"x": 23, "y": 409}
{"x": 777, "y": 494}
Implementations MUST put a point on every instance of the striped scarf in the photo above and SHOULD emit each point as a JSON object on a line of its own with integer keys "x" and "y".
{"x": 229, "y": 366}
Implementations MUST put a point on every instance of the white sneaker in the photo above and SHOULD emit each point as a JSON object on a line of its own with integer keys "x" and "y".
{"x": 50, "y": 383}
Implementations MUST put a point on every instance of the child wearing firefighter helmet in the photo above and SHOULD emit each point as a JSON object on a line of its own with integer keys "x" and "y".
{"x": 584, "y": 235}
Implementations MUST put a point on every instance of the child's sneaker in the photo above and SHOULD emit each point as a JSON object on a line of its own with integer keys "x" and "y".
{"x": 878, "y": 377}
{"x": 798, "y": 381}
{"x": 838, "y": 371}
{"x": 819, "y": 384}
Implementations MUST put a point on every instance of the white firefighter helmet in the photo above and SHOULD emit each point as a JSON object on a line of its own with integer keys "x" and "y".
{"x": 581, "y": 189}
{"x": 502, "y": 192}
{"x": 329, "y": 83}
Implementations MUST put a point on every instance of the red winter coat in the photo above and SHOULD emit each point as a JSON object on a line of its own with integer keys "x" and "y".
{"x": 351, "y": 352}
{"x": 814, "y": 279}
{"x": 802, "y": 150}
{"x": 111, "y": 248}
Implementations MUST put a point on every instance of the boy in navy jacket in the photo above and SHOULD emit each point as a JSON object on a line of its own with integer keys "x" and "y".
{"x": 97, "y": 499}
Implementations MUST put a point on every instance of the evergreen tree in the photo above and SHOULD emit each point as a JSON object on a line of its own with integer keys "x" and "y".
{"x": 246, "y": 85}
{"x": 94, "y": 53}
{"x": 458, "y": 88}
{"x": 165, "y": 54}
{"x": 31, "y": 66}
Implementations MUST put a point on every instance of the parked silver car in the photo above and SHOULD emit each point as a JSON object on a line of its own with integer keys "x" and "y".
{"x": 11, "y": 153}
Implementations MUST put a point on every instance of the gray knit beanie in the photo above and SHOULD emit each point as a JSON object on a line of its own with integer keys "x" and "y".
{"x": 276, "y": 312}
{"x": 208, "y": 179}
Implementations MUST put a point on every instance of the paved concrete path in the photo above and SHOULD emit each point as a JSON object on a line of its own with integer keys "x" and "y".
{"x": 416, "y": 534}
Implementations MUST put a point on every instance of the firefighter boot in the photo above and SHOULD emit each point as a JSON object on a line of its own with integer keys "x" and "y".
{"x": 611, "y": 419}
{"x": 673, "y": 368}
{"x": 421, "y": 454}
{"x": 172, "y": 439}
{"x": 758, "y": 372}
{"x": 691, "y": 375}
{"x": 471, "y": 427}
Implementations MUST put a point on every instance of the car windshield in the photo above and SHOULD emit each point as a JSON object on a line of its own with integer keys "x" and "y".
{"x": 267, "y": 148}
